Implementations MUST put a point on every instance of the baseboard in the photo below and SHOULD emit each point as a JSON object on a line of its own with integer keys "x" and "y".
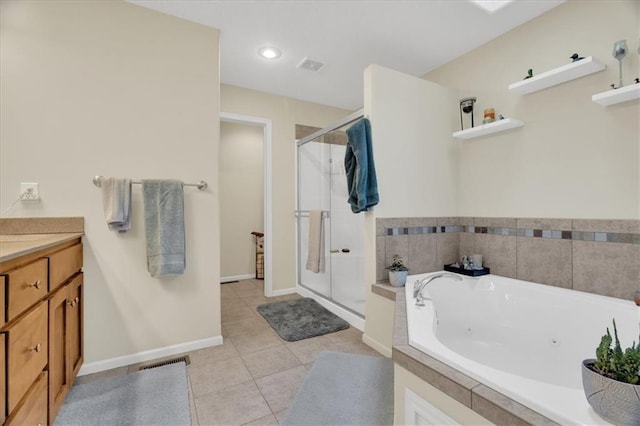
{"x": 346, "y": 315}
{"x": 283, "y": 292}
{"x": 373, "y": 343}
{"x": 121, "y": 361}
{"x": 237, "y": 278}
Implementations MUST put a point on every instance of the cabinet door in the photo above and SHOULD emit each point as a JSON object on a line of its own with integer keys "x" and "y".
{"x": 75, "y": 325}
{"x": 59, "y": 306}
{"x": 3, "y": 381}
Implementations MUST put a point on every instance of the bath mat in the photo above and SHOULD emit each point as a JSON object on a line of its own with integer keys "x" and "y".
{"x": 300, "y": 319}
{"x": 344, "y": 389}
{"x": 158, "y": 396}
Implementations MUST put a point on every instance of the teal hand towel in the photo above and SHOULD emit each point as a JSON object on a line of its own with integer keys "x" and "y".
{"x": 361, "y": 171}
{"x": 164, "y": 226}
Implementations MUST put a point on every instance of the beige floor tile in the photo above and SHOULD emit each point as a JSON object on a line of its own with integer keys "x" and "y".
{"x": 226, "y": 292}
{"x": 266, "y": 421}
{"x": 237, "y": 313}
{"x": 262, "y": 339}
{"x": 246, "y": 326}
{"x": 279, "y": 389}
{"x": 268, "y": 361}
{"x": 287, "y": 297}
{"x": 280, "y": 415}
{"x": 236, "y": 405}
{"x": 255, "y": 301}
{"x": 306, "y": 350}
{"x": 216, "y": 375}
{"x": 192, "y": 405}
{"x": 214, "y": 353}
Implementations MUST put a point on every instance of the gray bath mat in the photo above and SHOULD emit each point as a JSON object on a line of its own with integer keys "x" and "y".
{"x": 300, "y": 319}
{"x": 158, "y": 396}
{"x": 344, "y": 389}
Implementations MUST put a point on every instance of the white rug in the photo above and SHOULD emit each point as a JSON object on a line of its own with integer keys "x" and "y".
{"x": 344, "y": 389}
{"x": 158, "y": 396}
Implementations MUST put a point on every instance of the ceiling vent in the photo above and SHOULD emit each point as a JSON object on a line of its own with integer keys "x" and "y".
{"x": 310, "y": 64}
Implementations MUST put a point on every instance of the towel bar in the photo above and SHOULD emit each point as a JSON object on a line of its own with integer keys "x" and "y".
{"x": 202, "y": 185}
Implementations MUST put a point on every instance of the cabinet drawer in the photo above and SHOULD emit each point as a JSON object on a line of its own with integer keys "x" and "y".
{"x": 3, "y": 382}
{"x": 27, "y": 285}
{"x": 63, "y": 264}
{"x": 33, "y": 408}
{"x": 27, "y": 349}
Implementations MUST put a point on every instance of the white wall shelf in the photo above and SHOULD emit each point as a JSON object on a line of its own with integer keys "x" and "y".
{"x": 489, "y": 128}
{"x": 572, "y": 71}
{"x": 616, "y": 96}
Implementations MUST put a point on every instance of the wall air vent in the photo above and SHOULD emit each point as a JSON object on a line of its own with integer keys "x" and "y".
{"x": 310, "y": 64}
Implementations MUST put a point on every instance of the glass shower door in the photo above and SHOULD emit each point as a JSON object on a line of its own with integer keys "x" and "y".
{"x": 314, "y": 194}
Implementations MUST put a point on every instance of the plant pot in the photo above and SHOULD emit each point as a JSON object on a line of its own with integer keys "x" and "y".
{"x": 614, "y": 401}
{"x": 398, "y": 278}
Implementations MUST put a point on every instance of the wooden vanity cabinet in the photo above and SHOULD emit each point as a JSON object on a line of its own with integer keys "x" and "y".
{"x": 40, "y": 332}
{"x": 65, "y": 341}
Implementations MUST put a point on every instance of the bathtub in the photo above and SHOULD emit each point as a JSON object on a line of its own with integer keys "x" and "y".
{"x": 523, "y": 339}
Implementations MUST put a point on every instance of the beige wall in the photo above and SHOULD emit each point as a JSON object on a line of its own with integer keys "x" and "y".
{"x": 416, "y": 165}
{"x": 284, "y": 113}
{"x": 241, "y": 197}
{"x": 573, "y": 158}
{"x": 114, "y": 89}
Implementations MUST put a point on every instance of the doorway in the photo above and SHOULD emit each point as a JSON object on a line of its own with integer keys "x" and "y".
{"x": 247, "y": 248}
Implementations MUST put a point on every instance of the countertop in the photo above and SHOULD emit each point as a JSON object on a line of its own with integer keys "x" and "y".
{"x": 12, "y": 246}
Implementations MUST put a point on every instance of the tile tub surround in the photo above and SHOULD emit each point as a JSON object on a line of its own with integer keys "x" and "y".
{"x": 597, "y": 256}
{"x": 490, "y": 404}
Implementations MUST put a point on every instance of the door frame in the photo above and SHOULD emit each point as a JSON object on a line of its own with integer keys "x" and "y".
{"x": 230, "y": 117}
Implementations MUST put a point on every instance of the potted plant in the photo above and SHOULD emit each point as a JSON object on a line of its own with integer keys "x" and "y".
{"x": 611, "y": 382}
{"x": 397, "y": 272}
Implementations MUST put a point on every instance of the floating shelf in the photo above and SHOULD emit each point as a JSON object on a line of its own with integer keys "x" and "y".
{"x": 556, "y": 76}
{"x": 616, "y": 96}
{"x": 487, "y": 129}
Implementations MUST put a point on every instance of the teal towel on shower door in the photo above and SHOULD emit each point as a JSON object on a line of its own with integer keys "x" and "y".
{"x": 164, "y": 226}
{"x": 361, "y": 171}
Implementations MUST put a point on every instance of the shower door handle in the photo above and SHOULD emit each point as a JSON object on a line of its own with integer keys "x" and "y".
{"x": 344, "y": 250}
{"x": 335, "y": 251}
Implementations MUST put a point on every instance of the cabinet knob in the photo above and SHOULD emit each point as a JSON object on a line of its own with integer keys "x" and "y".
{"x": 35, "y": 348}
{"x": 77, "y": 300}
{"x": 35, "y": 285}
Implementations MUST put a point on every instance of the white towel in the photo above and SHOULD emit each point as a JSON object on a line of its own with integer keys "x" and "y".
{"x": 116, "y": 202}
{"x": 315, "y": 257}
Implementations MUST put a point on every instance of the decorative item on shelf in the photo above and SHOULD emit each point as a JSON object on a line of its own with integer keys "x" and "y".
{"x": 500, "y": 117}
{"x": 611, "y": 382}
{"x": 620, "y": 50}
{"x": 466, "y": 107}
{"x": 529, "y": 74}
{"x": 489, "y": 116}
{"x": 397, "y": 272}
{"x": 637, "y": 80}
{"x": 575, "y": 57}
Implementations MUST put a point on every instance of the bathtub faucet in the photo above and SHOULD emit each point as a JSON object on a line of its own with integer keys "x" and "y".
{"x": 420, "y": 285}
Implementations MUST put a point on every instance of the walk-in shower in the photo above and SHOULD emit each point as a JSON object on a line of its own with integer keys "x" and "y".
{"x": 322, "y": 185}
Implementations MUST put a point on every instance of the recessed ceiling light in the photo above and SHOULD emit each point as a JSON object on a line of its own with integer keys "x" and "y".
{"x": 269, "y": 52}
{"x": 491, "y": 5}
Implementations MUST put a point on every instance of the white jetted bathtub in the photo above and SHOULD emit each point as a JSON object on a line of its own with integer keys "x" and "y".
{"x": 523, "y": 339}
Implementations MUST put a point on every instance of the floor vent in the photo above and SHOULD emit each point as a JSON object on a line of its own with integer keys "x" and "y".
{"x": 184, "y": 359}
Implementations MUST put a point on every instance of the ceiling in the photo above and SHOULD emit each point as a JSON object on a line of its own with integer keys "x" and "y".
{"x": 413, "y": 37}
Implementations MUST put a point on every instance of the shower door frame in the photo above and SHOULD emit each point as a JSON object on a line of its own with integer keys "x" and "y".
{"x": 355, "y": 319}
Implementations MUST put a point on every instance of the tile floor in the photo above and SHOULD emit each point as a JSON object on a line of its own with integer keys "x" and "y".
{"x": 252, "y": 378}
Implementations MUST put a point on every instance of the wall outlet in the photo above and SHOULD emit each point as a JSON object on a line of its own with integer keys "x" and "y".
{"x": 29, "y": 191}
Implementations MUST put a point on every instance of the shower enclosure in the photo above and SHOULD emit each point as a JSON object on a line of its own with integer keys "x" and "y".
{"x": 322, "y": 185}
